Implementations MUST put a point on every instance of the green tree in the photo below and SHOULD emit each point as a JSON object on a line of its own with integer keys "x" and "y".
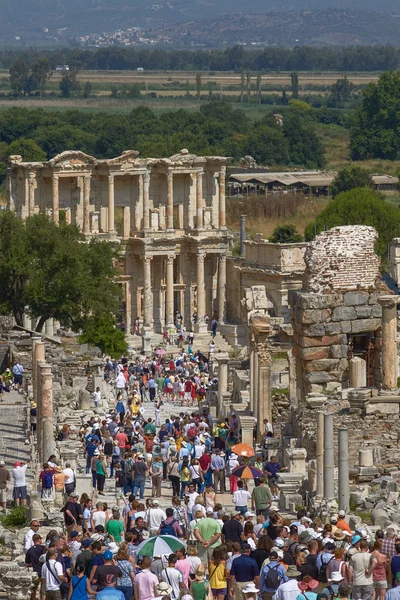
{"x": 88, "y": 89}
{"x": 248, "y": 85}
{"x": 39, "y": 75}
{"x": 210, "y": 91}
{"x": 28, "y": 149}
{"x": 198, "y": 85}
{"x": 19, "y": 76}
{"x": 259, "y": 87}
{"x": 341, "y": 92}
{"x": 361, "y": 206}
{"x": 376, "y": 123}
{"x": 69, "y": 84}
{"x": 103, "y": 332}
{"x": 187, "y": 93}
{"x": 242, "y": 86}
{"x": 114, "y": 91}
{"x": 285, "y": 234}
{"x": 50, "y": 271}
{"x": 294, "y": 80}
{"x": 349, "y": 178}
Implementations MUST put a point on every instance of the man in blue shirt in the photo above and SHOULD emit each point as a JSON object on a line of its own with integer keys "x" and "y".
{"x": 280, "y": 571}
{"x": 272, "y": 469}
{"x": 244, "y": 570}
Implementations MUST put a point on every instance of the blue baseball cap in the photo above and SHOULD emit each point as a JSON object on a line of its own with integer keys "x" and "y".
{"x": 108, "y": 555}
{"x": 355, "y": 539}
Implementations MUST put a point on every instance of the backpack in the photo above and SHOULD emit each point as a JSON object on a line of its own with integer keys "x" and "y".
{"x": 60, "y": 437}
{"x": 120, "y": 479}
{"x": 168, "y": 529}
{"x": 273, "y": 579}
{"x": 322, "y": 572}
{"x": 48, "y": 480}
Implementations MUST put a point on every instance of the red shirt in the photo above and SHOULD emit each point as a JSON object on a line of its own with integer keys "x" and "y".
{"x": 204, "y": 461}
{"x": 188, "y": 385}
{"x": 122, "y": 439}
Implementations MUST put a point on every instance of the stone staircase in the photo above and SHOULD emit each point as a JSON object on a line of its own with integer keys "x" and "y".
{"x": 201, "y": 342}
{"x": 13, "y": 431}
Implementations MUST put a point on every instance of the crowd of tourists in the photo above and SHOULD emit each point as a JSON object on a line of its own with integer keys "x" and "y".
{"x": 157, "y": 524}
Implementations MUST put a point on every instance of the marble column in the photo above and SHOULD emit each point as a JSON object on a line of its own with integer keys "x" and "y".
{"x": 86, "y": 200}
{"x": 389, "y": 341}
{"x": 242, "y": 233}
{"x": 49, "y": 327}
{"x": 357, "y": 372}
{"x": 31, "y": 186}
{"x": 329, "y": 459}
{"x": 199, "y": 201}
{"x": 146, "y": 200}
{"x": 170, "y": 200}
{"x": 320, "y": 456}
{"x": 46, "y": 397}
{"x": 264, "y": 408}
{"x": 221, "y": 287}
{"x": 343, "y": 464}
{"x": 38, "y": 356}
{"x": 56, "y": 199}
{"x": 128, "y": 307}
{"x": 126, "y": 222}
{"x": 222, "y": 360}
{"x": 251, "y": 377}
{"x": 247, "y": 426}
{"x": 170, "y": 291}
{"x": 222, "y": 206}
{"x": 255, "y": 381}
{"x": 201, "y": 292}
{"x": 139, "y": 205}
{"x": 111, "y": 204}
{"x": 148, "y": 309}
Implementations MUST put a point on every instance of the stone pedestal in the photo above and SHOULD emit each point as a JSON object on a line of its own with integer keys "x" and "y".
{"x": 389, "y": 341}
{"x": 297, "y": 460}
{"x": 147, "y": 338}
{"x": 365, "y": 457}
{"x": 358, "y": 372}
{"x": 49, "y": 327}
{"x": 247, "y": 426}
{"x": 289, "y": 486}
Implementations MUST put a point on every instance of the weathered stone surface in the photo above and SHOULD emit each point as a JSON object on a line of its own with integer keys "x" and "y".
{"x": 345, "y": 326}
{"x": 338, "y": 351}
{"x": 362, "y": 325}
{"x": 316, "y": 316}
{"x": 318, "y": 377}
{"x": 376, "y": 310}
{"x": 326, "y": 364}
{"x": 380, "y": 517}
{"x": 314, "y": 353}
{"x": 382, "y": 408}
{"x": 317, "y": 301}
{"x": 344, "y": 313}
{"x": 363, "y": 312}
{"x": 326, "y": 340}
{"x": 373, "y": 297}
{"x": 317, "y": 330}
{"x": 332, "y": 328}
{"x": 355, "y": 298}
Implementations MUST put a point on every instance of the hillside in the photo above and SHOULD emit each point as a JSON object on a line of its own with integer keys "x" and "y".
{"x": 61, "y": 20}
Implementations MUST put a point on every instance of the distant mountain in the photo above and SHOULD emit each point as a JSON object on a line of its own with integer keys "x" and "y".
{"x": 55, "y": 20}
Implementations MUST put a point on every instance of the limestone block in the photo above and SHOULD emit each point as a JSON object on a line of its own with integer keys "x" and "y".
{"x": 363, "y": 312}
{"x": 362, "y": 325}
{"x": 316, "y": 400}
{"x": 376, "y": 310}
{"x": 317, "y": 330}
{"x": 355, "y": 298}
{"x": 318, "y": 377}
{"x": 17, "y": 584}
{"x": 343, "y": 364}
{"x": 381, "y": 408}
{"x": 365, "y": 457}
{"x": 380, "y": 518}
{"x": 345, "y": 326}
{"x": 326, "y": 364}
{"x": 344, "y": 313}
{"x": 333, "y": 386}
{"x": 315, "y": 316}
{"x": 79, "y": 382}
{"x": 84, "y": 399}
{"x": 373, "y": 297}
{"x": 326, "y": 340}
{"x": 297, "y": 460}
{"x": 332, "y": 328}
{"x": 314, "y": 353}
{"x": 358, "y": 372}
{"x": 338, "y": 351}
{"x": 316, "y": 389}
{"x": 318, "y": 301}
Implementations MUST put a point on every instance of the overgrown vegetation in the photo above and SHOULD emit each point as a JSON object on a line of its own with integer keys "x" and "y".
{"x": 16, "y": 517}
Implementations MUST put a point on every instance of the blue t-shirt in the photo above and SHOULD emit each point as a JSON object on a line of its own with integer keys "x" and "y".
{"x": 79, "y": 588}
{"x": 273, "y": 468}
{"x": 110, "y": 594}
{"x": 244, "y": 568}
{"x": 97, "y": 560}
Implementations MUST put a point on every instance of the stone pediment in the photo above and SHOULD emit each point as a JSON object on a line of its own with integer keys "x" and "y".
{"x": 127, "y": 160}
{"x": 72, "y": 159}
{"x": 184, "y": 158}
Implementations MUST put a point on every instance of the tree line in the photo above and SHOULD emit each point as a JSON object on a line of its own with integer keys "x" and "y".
{"x": 236, "y": 58}
{"x": 216, "y": 129}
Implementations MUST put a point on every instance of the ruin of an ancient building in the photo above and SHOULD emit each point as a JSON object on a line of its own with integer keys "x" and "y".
{"x": 173, "y": 231}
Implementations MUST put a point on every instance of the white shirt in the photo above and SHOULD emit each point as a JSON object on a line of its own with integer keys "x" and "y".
{"x": 154, "y": 516}
{"x": 197, "y": 507}
{"x": 120, "y": 381}
{"x": 28, "y": 542}
{"x": 99, "y": 518}
{"x": 268, "y": 428}
{"x": 97, "y": 396}
{"x": 192, "y": 498}
{"x": 241, "y": 497}
{"x": 287, "y": 591}
{"x": 52, "y": 584}
{"x": 69, "y": 475}
{"x": 18, "y": 474}
{"x": 173, "y": 577}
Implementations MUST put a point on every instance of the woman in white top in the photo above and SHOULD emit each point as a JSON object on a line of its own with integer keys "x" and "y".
{"x": 231, "y": 464}
{"x": 240, "y": 498}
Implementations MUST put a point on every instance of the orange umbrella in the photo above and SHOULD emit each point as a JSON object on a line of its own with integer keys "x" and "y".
{"x": 243, "y": 450}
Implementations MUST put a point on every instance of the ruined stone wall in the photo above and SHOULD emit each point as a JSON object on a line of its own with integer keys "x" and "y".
{"x": 342, "y": 258}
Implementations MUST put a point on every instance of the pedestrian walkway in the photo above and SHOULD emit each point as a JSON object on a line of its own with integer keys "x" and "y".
{"x": 13, "y": 431}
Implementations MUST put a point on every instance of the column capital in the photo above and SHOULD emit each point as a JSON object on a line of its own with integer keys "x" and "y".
{"x": 388, "y": 301}
{"x": 200, "y": 257}
{"x": 170, "y": 175}
{"x": 222, "y": 257}
{"x": 55, "y": 178}
{"x": 170, "y": 258}
{"x": 264, "y": 356}
{"x": 222, "y": 171}
{"x": 147, "y": 259}
{"x": 199, "y": 175}
{"x": 111, "y": 179}
{"x": 32, "y": 176}
{"x": 146, "y": 177}
{"x": 86, "y": 179}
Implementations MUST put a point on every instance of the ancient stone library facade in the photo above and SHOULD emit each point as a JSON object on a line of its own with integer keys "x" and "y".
{"x": 174, "y": 234}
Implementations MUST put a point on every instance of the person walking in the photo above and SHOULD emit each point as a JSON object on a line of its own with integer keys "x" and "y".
{"x": 173, "y": 473}
{"x": 360, "y": 570}
{"x": 173, "y": 577}
{"x": 261, "y": 498}
{"x": 5, "y": 478}
{"x": 244, "y": 570}
{"x": 101, "y": 474}
{"x": 19, "y": 482}
{"x": 218, "y": 469}
{"x": 79, "y": 586}
{"x": 139, "y": 471}
{"x": 52, "y": 575}
{"x": 207, "y": 532}
{"x": 145, "y": 582}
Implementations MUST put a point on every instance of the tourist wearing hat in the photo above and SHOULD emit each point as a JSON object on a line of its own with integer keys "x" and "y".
{"x": 332, "y": 587}
{"x": 289, "y": 590}
{"x": 108, "y": 568}
{"x": 342, "y": 523}
{"x": 232, "y": 530}
{"x": 162, "y": 589}
{"x": 244, "y": 570}
{"x": 250, "y": 592}
{"x": 360, "y": 570}
{"x": 307, "y": 586}
{"x": 19, "y": 482}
